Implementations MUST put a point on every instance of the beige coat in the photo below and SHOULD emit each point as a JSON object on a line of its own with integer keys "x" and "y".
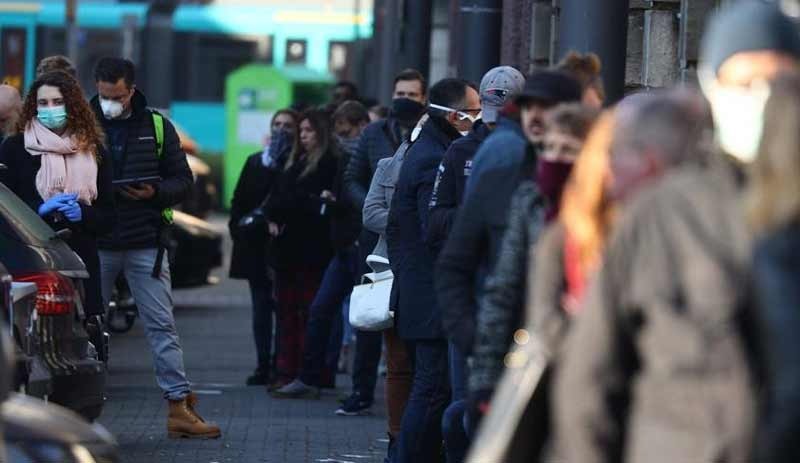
{"x": 657, "y": 367}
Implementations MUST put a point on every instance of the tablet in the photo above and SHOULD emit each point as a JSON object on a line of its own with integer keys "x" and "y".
{"x": 123, "y": 182}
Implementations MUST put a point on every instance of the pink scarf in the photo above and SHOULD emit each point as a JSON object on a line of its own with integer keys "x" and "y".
{"x": 64, "y": 169}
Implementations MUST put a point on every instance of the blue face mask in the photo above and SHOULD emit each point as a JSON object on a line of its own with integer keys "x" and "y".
{"x": 53, "y": 118}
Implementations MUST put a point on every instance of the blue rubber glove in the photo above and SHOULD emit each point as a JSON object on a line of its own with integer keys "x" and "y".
{"x": 52, "y": 204}
{"x": 72, "y": 211}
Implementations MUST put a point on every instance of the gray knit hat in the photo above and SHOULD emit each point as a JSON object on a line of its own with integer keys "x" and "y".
{"x": 748, "y": 26}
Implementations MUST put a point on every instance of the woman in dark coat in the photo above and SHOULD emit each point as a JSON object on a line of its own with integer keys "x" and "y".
{"x": 250, "y": 251}
{"x": 299, "y": 221}
{"x": 57, "y": 164}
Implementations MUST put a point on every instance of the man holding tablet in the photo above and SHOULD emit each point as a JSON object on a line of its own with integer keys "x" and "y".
{"x": 150, "y": 176}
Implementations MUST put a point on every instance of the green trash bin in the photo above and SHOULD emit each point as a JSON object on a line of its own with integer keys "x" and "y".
{"x": 254, "y": 93}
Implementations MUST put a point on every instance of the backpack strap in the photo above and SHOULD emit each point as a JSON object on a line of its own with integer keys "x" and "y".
{"x": 158, "y": 125}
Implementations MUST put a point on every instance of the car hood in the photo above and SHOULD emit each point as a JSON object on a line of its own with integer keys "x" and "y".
{"x": 196, "y": 226}
{"x": 25, "y": 419}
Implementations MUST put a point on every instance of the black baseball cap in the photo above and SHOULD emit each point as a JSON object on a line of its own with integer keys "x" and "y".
{"x": 551, "y": 88}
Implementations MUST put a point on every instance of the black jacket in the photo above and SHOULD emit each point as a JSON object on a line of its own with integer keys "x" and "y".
{"x": 776, "y": 263}
{"x": 379, "y": 140}
{"x": 97, "y": 219}
{"x": 474, "y": 242}
{"x": 451, "y": 179}
{"x": 295, "y": 204}
{"x": 133, "y": 140}
{"x": 345, "y": 219}
{"x": 249, "y": 258}
{"x": 418, "y": 315}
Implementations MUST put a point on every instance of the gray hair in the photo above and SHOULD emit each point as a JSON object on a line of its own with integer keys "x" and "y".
{"x": 675, "y": 125}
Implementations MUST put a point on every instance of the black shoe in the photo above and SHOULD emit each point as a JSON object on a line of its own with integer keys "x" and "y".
{"x": 258, "y": 378}
{"x": 355, "y": 406}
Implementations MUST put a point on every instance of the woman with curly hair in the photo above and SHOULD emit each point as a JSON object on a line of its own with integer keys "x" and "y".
{"x": 56, "y": 163}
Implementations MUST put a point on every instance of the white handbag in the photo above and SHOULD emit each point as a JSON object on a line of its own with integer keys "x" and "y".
{"x": 369, "y": 302}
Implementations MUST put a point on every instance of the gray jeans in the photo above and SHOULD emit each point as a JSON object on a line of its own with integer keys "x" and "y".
{"x": 154, "y": 301}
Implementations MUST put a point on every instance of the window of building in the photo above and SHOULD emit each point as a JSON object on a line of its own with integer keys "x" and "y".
{"x": 296, "y": 51}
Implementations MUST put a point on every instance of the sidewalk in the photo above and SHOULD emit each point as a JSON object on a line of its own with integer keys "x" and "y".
{"x": 214, "y": 324}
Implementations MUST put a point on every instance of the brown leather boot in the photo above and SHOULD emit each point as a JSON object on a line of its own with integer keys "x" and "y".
{"x": 183, "y": 421}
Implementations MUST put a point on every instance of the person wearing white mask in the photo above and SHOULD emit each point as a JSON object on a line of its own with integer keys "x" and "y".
{"x": 662, "y": 365}
{"x": 152, "y": 175}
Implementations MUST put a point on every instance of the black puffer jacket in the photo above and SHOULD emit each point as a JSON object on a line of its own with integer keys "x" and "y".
{"x": 132, "y": 145}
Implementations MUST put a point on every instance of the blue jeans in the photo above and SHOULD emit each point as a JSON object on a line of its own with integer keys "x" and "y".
{"x": 263, "y": 310}
{"x": 154, "y": 300}
{"x": 324, "y": 315}
{"x": 454, "y": 421}
{"x": 365, "y": 364}
{"x": 421, "y": 430}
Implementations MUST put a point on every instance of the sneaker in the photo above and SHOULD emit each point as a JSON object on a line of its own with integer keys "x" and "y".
{"x": 355, "y": 406}
{"x": 296, "y": 390}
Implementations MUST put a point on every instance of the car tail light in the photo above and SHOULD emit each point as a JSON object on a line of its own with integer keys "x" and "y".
{"x": 55, "y": 294}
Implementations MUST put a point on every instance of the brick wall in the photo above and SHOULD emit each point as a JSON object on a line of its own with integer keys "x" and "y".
{"x": 663, "y": 38}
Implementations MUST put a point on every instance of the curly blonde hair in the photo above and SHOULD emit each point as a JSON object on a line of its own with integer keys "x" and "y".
{"x": 81, "y": 120}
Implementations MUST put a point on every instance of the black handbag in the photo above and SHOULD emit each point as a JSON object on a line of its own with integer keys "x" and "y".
{"x": 254, "y": 223}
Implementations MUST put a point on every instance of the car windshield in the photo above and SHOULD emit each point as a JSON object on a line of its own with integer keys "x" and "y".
{"x": 20, "y": 222}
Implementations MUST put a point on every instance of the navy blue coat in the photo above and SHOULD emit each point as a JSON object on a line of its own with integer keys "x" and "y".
{"x": 418, "y": 315}
{"x": 451, "y": 181}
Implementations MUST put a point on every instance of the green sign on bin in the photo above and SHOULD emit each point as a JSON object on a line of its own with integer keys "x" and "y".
{"x": 253, "y": 94}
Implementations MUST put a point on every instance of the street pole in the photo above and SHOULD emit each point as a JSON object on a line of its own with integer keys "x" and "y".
{"x": 599, "y": 26}
{"x": 73, "y": 46}
{"x": 479, "y": 31}
{"x": 415, "y": 38}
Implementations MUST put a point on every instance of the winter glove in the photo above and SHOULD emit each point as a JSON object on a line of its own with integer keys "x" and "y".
{"x": 72, "y": 211}
{"x": 54, "y": 203}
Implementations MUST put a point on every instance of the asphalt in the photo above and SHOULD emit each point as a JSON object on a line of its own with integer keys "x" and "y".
{"x": 214, "y": 326}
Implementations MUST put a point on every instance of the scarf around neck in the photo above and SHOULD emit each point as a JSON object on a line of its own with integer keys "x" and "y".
{"x": 64, "y": 168}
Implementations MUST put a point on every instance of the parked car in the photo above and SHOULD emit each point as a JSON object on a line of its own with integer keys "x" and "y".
{"x": 33, "y": 431}
{"x": 38, "y": 432}
{"x": 73, "y": 374}
{"x": 195, "y": 250}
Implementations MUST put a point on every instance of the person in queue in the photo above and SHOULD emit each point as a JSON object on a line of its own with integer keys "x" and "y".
{"x": 10, "y": 107}
{"x": 586, "y": 68}
{"x": 678, "y": 259}
{"x": 418, "y": 319}
{"x": 250, "y": 258}
{"x": 773, "y": 217}
{"x": 380, "y": 140}
{"x": 340, "y": 274}
{"x": 534, "y": 204}
{"x": 299, "y": 223}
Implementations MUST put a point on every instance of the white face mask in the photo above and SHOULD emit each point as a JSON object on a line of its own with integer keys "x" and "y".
{"x": 738, "y": 116}
{"x": 463, "y": 132}
{"x": 111, "y": 109}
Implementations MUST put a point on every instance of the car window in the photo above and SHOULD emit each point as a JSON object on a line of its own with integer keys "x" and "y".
{"x": 20, "y": 222}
